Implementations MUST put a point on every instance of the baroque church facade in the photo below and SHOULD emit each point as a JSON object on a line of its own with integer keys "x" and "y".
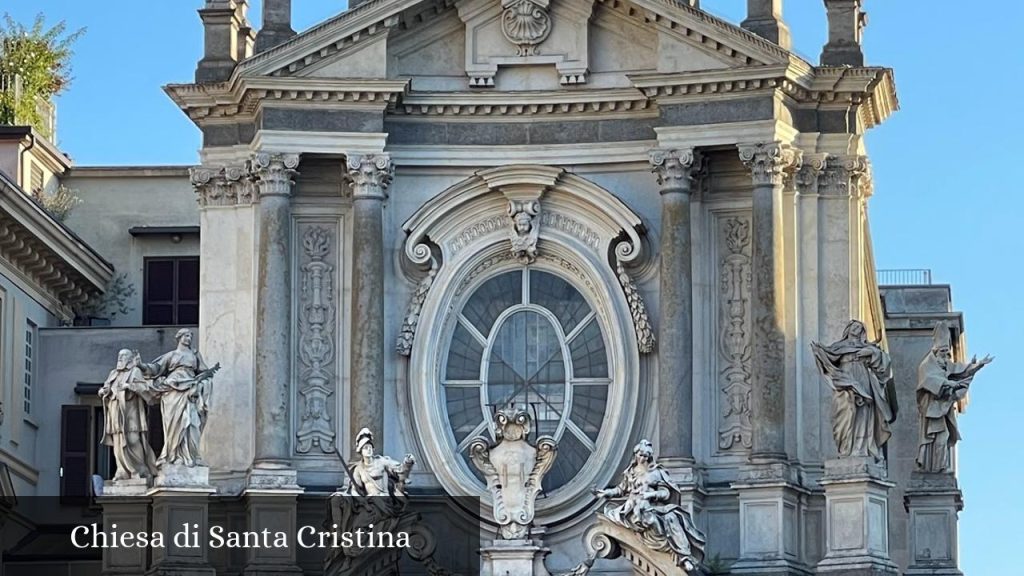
{"x": 628, "y": 217}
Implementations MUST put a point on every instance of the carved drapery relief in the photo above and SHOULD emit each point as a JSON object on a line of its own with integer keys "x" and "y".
{"x": 734, "y": 345}
{"x": 316, "y": 342}
{"x": 526, "y": 24}
{"x": 412, "y": 315}
{"x": 638, "y": 310}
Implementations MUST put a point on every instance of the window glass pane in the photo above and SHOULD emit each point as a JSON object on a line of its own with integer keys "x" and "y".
{"x": 160, "y": 280}
{"x": 159, "y": 314}
{"x": 558, "y": 296}
{"x": 589, "y": 403}
{"x": 463, "y": 410}
{"x": 188, "y": 280}
{"x": 464, "y": 356}
{"x": 589, "y": 357}
{"x": 492, "y": 298}
{"x": 526, "y": 369}
{"x": 188, "y": 314}
{"x": 572, "y": 455}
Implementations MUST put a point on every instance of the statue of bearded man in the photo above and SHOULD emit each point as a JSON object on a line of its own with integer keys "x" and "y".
{"x": 125, "y": 395}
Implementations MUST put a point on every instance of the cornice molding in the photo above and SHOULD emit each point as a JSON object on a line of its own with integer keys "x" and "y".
{"x": 522, "y": 104}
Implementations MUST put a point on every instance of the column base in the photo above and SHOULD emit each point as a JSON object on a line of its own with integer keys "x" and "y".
{"x": 272, "y": 477}
{"x": 842, "y": 54}
{"x": 513, "y": 558}
{"x": 770, "y": 498}
{"x": 933, "y": 502}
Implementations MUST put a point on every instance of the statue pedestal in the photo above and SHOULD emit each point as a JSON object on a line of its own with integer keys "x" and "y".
{"x": 178, "y": 476}
{"x": 130, "y": 512}
{"x": 513, "y": 558}
{"x": 133, "y": 487}
{"x": 856, "y": 518}
{"x": 933, "y": 501}
{"x": 274, "y": 510}
{"x": 770, "y": 505}
{"x": 185, "y": 552}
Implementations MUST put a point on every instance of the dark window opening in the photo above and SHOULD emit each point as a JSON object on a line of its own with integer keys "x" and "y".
{"x": 171, "y": 291}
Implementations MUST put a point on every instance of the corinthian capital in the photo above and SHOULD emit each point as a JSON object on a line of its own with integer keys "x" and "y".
{"x": 273, "y": 172}
{"x": 212, "y": 188}
{"x": 768, "y": 161}
{"x": 370, "y": 175}
{"x": 844, "y": 175}
{"x": 674, "y": 168}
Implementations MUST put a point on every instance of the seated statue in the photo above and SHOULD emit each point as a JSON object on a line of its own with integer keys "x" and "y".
{"x": 646, "y": 502}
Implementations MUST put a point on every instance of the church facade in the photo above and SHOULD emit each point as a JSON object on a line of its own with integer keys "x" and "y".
{"x": 629, "y": 218}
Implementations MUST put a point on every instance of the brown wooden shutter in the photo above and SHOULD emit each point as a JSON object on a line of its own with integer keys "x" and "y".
{"x": 74, "y": 452}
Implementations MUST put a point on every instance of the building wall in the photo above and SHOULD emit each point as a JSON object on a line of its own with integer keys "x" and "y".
{"x": 123, "y": 198}
{"x": 22, "y": 435}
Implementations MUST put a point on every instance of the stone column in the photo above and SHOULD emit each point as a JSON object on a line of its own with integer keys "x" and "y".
{"x": 277, "y": 24}
{"x": 846, "y": 24}
{"x": 767, "y": 161}
{"x": 675, "y": 170}
{"x": 369, "y": 176}
{"x": 764, "y": 18}
{"x": 271, "y": 466}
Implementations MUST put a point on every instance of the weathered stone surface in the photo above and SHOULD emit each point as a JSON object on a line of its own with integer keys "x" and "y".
{"x": 319, "y": 120}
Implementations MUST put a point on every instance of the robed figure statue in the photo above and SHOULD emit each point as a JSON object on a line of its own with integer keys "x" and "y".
{"x": 125, "y": 395}
{"x": 942, "y": 385}
{"x": 646, "y": 501}
{"x": 864, "y": 398}
{"x": 182, "y": 382}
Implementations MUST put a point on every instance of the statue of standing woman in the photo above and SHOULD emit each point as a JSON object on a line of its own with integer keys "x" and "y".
{"x": 863, "y": 400}
{"x": 182, "y": 382}
{"x": 125, "y": 396}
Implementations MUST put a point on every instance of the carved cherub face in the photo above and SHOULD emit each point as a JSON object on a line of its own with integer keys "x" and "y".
{"x": 524, "y": 222}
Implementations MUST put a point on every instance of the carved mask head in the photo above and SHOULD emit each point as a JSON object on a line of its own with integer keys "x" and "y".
{"x": 524, "y": 222}
{"x": 512, "y": 424}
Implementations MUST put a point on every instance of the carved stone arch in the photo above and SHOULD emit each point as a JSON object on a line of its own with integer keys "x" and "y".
{"x": 580, "y": 225}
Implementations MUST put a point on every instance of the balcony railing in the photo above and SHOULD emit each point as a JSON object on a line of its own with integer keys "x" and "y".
{"x": 46, "y": 113}
{"x": 905, "y": 277}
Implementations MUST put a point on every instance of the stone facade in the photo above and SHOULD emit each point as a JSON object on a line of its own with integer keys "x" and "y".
{"x": 678, "y": 201}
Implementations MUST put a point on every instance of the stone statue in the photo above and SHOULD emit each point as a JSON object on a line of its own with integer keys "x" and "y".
{"x": 646, "y": 502}
{"x": 941, "y": 385}
{"x": 125, "y": 396}
{"x": 864, "y": 400}
{"x": 514, "y": 470}
{"x": 525, "y": 230}
{"x": 182, "y": 382}
{"x": 375, "y": 495}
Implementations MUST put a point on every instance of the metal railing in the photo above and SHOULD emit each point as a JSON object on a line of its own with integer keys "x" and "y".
{"x": 905, "y": 277}
{"x": 46, "y": 112}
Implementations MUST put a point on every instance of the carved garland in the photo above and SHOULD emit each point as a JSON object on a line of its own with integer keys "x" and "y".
{"x": 734, "y": 431}
{"x": 638, "y": 310}
{"x": 412, "y": 315}
{"x": 316, "y": 343}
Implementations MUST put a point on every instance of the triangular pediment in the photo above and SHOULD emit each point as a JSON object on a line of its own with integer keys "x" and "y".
{"x": 455, "y": 45}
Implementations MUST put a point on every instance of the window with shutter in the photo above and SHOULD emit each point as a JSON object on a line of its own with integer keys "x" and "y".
{"x": 171, "y": 291}
{"x": 74, "y": 453}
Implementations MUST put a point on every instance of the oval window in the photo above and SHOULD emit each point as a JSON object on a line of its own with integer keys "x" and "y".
{"x": 529, "y": 339}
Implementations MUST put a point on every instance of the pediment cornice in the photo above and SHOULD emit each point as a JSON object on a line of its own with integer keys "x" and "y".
{"x": 46, "y": 258}
{"x": 242, "y": 96}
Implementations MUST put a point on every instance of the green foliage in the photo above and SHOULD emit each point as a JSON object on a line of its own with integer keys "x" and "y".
{"x": 40, "y": 59}
{"x": 116, "y": 300}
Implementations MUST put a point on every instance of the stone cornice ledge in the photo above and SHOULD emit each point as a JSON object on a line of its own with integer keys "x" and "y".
{"x": 518, "y": 104}
{"x": 242, "y": 97}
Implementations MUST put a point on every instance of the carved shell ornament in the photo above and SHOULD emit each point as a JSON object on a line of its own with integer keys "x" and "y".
{"x": 526, "y": 24}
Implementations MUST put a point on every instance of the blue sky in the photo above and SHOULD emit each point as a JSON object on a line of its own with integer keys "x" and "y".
{"x": 947, "y": 196}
